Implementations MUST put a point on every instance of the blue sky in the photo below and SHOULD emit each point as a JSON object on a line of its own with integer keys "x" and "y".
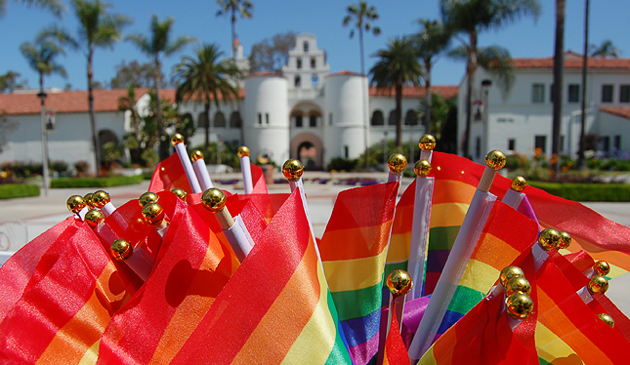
{"x": 525, "y": 38}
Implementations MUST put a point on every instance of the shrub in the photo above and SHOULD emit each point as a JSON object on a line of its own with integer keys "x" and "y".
{"x": 587, "y": 192}
{"x": 345, "y": 164}
{"x": 81, "y": 167}
{"x": 10, "y": 191}
{"x": 59, "y": 166}
{"x": 20, "y": 169}
{"x": 95, "y": 182}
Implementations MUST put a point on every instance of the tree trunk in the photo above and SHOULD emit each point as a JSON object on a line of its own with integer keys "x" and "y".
{"x": 558, "y": 63}
{"x": 398, "y": 114}
{"x": 581, "y": 162}
{"x": 233, "y": 32}
{"x": 207, "y": 129}
{"x": 471, "y": 67}
{"x": 162, "y": 140}
{"x": 427, "y": 97}
{"x": 95, "y": 140}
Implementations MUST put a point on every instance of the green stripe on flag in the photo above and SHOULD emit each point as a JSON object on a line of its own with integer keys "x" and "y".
{"x": 339, "y": 353}
{"x": 358, "y": 303}
{"x": 465, "y": 299}
{"x": 442, "y": 238}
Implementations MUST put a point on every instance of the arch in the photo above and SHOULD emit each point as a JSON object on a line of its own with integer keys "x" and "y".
{"x": 411, "y": 118}
{"x": 202, "y": 121}
{"x": 235, "y": 120}
{"x": 305, "y": 114}
{"x": 377, "y": 118}
{"x": 305, "y": 46}
{"x": 187, "y": 126}
{"x": 219, "y": 120}
{"x": 392, "y": 118}
{"x": 312, "y": 120}
{"x": 307, "y": 147}
{"x": 108, "y": 144}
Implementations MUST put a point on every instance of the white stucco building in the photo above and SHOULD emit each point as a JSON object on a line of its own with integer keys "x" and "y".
{"x": 304, "y": 112}
{"x": 521, "y": 120}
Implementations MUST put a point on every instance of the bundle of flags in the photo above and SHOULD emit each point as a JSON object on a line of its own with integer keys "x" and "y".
{"x": 70, "y": 297}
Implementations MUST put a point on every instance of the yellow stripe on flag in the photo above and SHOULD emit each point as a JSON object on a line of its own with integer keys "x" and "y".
{"x": 479, "y": 276}
{"x": 448, "y": 214}
{"x": 355, "y": 274}
{"x": 552, "y": 349}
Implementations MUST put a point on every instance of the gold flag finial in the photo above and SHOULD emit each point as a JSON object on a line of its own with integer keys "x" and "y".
{"x": 180, "y": 193}
{"x": 94, "y": 217}
{"x": 495, "y": 160}
{"x": 121, "y": 249}
{"x": 549, "y": 239}
{"x": 177, "y": 139}
{"x": 565, "y": 240}
{"x": 427, "y": 142}
{"x": 397, "y": 163}
{"x": 100, "y": 198}
{"x": 196, "y": 155}
{"x": 292, "y": 169}
{"x": 242, "y": 151}
{"x": 422, "y": 168}
{"x": 601, "y": 268}
{"x": 213, "y": 199}
{"x": 607, "y": 319}
{"x": 519, "y": 306}
{"x": 148, "y": 197}
{"x": 510, "y": 272}
{"x": 518, "y": 285}
{"x": 399, "y": 282}
{"x": 153, "y": 213}
{"x": 75, "y": 203}
{"x": 598, "y": 285}
{"x": 518, "y": 184}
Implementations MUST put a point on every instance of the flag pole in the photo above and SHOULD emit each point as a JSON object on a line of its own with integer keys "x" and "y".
{"x": 420, "y": 227}
{"x": 458, "y": 257}
{"x": 235, "y": 231}
{"x": 201, "y": 171}
{"x": 397, "y": 163}
{"x": 514, "y": 196}
{"x": 399, "y": 283}
{"x": 138, "y": 260}
{"x": 246, "y": 169}
{"x": 177, "y": 140}
{"x": 101, "y": 200}
{"x": 180, "y": 193}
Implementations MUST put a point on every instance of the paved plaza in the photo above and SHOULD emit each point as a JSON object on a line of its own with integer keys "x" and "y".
{"x": 25, "y": 218}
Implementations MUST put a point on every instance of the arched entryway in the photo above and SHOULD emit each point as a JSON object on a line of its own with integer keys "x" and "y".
{"x": 307, "y": 147}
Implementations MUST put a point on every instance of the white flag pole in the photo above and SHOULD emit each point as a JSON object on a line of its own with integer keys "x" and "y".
{"x": 246, "y": 169}
{"x": 201, "y": 171}
{"x": 458, "y": 257}
{"x": 177, "y": 140}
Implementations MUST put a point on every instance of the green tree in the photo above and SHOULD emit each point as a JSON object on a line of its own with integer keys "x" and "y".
{"x": 97, "y": 29}
{"x": 41, "y": 57}
{"x": 159, "y": 43}
{"x": 55, "y": 6}
{"x": 135, "y": 73}
{"x": 471, "y": 18}
{"x": 10, "y": 82}
{"x": 233, "y": 8}
{"x": 430, "y": 42}
{"x": 208, "y": 78}
{"x": 605, "y": 50}
{"x": 271, "y": 54}
{"x": 397, "y": 66}
{"x": 363, "y": 16}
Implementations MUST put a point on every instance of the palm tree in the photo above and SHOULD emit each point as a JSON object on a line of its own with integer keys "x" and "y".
{"x": 207, "y": 78}
{"x": 55, "y": 6}
{"x": 234, "y": 7}
{"x": 397, "y": 66}
{"x": 160, "y": 43}
{"x": 97, "y": 29}
{"x": 605, "y": 50}
{"x": 41, "y": 57}
{"x": 363, "y": 15}
{"x": 471, "y": 18}
{"x": 432, "y": 40}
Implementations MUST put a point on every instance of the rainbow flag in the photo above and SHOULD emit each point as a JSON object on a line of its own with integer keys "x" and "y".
{"x": 395, "y": 351}
{"x": 483, "y": 336}
{"x": 276, "y": 308}
{"x": 353, "y": 251}
{"x": 567, "y": 329}
{"x": 192, "y": 268}
{"x": 169, "y": 174}
{"x": 63, "y": 312}
{"x": 258, "y": 180}
{"x": 398, "y": 255}
{"x": 505, "y": 235}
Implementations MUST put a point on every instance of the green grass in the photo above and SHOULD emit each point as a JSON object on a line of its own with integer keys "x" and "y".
{"x": 9, "y": 191}
{"x": 95, "y": 182}
{"x": 586, "y": 192}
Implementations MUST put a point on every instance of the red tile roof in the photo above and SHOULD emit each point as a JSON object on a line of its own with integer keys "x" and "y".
{"x": 345, "y": 72}
{"x": 574, "y": 60}
{"x": 445, "y": 91}
{"x": 70, "y": 101}
{"x": 621, "y": 111}
{"x": 264, "y": 73}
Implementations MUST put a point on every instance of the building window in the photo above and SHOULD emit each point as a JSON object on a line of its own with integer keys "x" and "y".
{"x": 202, "y": 121}
{"x": 561, "y": 143}
{"x": 607, "y": 93}
{"x": 260, "y": 118}
{"x": 313, "y": 62}
{"x": 299, "y": 63}
{"x": 298, "y": 82}
{"x": 574, "y": 93}
{"x": 267, "y": 118}
{"x": 605, "y": 143}
{"x": 315, "y": 80}
{"x": 618, "y": 142}
{"x": 312, "y": 120}
{"x": 411, "y": 118}
{"x": 219, "y": 120}
{"x": 298, "y": 121}
{"x": 538, "y": 93}
{"x": 330, "y": 119}
{"x": 505, "y": 120}
{"x": 477, "y": 147}
{"x": 512, "y": 144}
{"x": 540, "y": 142}
{"x": 305, "y": 46}
{"x": 392, "y": 118}
{"x": 235, "y": 120}
{"x": 377, "y": 118}
{"x": 345, "y": 151}
{"x": 624, "y": 94}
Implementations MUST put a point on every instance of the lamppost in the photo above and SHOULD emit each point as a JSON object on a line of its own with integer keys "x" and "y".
{"x": 485, "y": 90}
{"x": 42, "y": 96}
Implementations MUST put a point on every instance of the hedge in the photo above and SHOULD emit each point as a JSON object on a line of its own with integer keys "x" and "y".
{"x": 586, "y": 192}
{"x": 9, "y": 191}
{"x": 95, "y": 182}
